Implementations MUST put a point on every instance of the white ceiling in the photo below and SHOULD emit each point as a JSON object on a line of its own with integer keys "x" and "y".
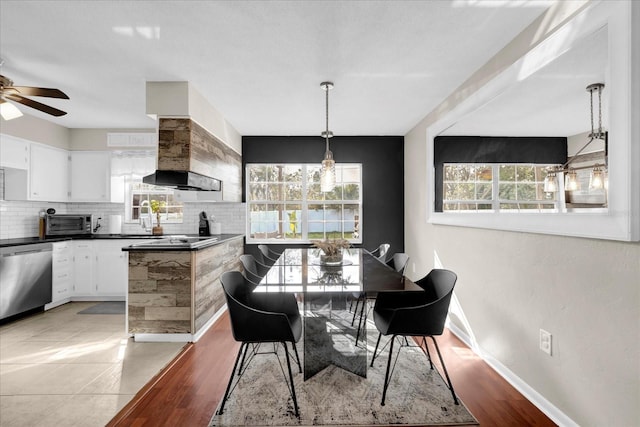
{"x": 259, "y": 63}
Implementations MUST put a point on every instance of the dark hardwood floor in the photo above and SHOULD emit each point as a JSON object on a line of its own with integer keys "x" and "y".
{"x": 187, "y": 392}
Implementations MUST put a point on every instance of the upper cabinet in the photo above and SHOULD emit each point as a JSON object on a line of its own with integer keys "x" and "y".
{"x": 48, "y": 174}
{"x": 14, "y": 153}
{"x": 90, "y": 176}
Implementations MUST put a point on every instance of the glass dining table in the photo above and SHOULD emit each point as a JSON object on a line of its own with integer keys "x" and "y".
{"x": 328, "y": 293}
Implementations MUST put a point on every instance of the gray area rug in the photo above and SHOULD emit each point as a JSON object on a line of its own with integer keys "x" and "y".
{"x": 417, "y": 395}
{"x": 107, "y": 307}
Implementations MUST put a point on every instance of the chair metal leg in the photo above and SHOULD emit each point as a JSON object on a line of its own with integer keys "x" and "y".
{"x": 364, "y": 304}
{"x": 295, "y": 349}
{"x": 376, "y": 349}
{"x": 355, "y": 312}
{"x": 386, "y": 376}
{"x": 293, "y": 389}
{"x": 244, "y": 356}
{"x": 426, "y": 347}
{"x": 226, "y": 393}
{"x": 446, "y": 374}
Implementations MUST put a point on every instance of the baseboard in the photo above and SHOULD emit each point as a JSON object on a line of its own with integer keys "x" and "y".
{"x": 550, "y": 410}
{"x": 138, "y": 337}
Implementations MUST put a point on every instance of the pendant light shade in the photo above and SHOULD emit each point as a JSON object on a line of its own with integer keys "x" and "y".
{"x": 597, "y": 180}
{"x": 571, "y": 182}
{"x": 550, "y": 183}
{"x": 328, "y": 171}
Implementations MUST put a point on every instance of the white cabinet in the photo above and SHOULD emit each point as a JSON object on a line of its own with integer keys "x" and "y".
{"x": 14, "y": 153}
{"x": 84, "y": 284}
{"x": 100, "y": 269}
{"x": 90, "y": 176}
{"x": 61, "y": 272}
{"x": 48, "y": 174}
{"x": 112, "y": 268}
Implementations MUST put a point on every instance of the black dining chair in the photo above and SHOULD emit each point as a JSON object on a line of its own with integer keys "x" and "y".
{"x": 381, "y": 252}
{"x": 258, "y": 318}
{"x": 267, "y": 255}
{"x": 253, "y": 270}
{"x": 398, "y": 262}
{"x": 419, "y": 313}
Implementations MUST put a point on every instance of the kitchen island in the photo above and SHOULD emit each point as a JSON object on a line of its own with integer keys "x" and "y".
{"x": 174, "y": 292}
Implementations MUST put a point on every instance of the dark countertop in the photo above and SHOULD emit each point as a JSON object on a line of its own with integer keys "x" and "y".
{"x": 33, "y": 240}
{"x": 221, "y": 238}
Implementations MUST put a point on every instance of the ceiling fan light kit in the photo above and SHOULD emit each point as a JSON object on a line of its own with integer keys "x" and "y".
{"x": 9, "y": 92}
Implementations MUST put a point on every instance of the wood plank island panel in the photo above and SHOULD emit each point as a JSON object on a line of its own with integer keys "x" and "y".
{"x": 178, "y": 291}
{"x": 210, "y": 263}
{"x": 185, "y": 145}
{"x": 159, "y": 289}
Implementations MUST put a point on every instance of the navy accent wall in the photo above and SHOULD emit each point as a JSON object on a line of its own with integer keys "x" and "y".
{"x": 382, "y": 159}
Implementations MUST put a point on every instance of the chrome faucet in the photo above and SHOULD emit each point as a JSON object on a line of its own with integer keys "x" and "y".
{"x": 143, "y": 224}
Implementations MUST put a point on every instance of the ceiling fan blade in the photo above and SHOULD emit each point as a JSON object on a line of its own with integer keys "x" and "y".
{"x": 34, "y": 104}
{"x": 39, "y": 91}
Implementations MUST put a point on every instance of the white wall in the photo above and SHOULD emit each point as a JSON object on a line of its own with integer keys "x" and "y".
{"x": 584, "y": 291}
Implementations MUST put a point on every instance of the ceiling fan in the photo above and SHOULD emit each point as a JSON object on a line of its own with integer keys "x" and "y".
{"x": 9, "y": 92}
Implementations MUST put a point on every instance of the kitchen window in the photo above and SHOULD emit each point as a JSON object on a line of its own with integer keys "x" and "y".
{"x": 141, "y": 199}
{"x": 496, "y": 187}
{"x": 285, "y": 204}
{"x": 127, "y": 169}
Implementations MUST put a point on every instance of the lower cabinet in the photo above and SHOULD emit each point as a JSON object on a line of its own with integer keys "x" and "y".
{"x": 61, "y": 274}
{"x": 100, "y": 269}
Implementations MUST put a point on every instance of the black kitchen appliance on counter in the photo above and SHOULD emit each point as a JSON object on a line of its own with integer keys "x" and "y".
{"x": 204, "y": 229}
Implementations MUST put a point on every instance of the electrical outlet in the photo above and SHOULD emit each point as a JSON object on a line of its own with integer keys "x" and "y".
{"x": 413, "y": 267}
{"x": 545, "y": 341}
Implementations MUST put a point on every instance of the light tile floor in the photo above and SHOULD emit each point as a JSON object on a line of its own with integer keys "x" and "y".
{"x": 60, "y": 368}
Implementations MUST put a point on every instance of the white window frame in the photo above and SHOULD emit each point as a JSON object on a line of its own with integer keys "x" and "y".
{"x": 304, "y": 205}
{"x": 495, "y": 200}
{"x": 130, "y": 192}
{"x": 620, "y": 220}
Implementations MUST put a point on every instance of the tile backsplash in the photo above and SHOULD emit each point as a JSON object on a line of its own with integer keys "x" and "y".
{"x": 20, "y": 219}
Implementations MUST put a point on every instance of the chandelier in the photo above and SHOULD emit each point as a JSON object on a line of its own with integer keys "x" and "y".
{"x": 328, "y": 170}
{"x": 598, "y": 178}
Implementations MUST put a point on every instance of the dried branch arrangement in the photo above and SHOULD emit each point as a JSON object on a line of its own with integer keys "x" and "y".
{"x": 331, "y": 246}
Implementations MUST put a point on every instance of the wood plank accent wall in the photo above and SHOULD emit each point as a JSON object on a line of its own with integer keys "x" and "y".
{"x": 185, "y": 145}
{"x": 209, "y": 264}
{"x": 160, "y": 292}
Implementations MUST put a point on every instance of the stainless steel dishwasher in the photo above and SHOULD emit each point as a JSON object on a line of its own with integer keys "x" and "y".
{"x": 25, "y": 278}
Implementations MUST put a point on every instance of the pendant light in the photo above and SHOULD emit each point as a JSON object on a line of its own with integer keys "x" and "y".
{"x": 328, "y": 171}
{"x": 598, "y": 175}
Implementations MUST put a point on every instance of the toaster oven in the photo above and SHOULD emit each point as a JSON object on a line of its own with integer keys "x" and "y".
{"x": 68, "y": 224}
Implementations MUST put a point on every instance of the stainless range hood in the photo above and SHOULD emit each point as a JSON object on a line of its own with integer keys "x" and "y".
{"x": 183, "y": 180}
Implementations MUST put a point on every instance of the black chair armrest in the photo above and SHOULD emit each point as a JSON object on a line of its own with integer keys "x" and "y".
{"x": 252, "y": 277}
{"x": 278, "y": 302}
{"x": 401, "y": 299}
{"x": 263, "y": 326}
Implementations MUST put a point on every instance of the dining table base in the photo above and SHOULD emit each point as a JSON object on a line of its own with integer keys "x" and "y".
{"x": 330, "y": 337}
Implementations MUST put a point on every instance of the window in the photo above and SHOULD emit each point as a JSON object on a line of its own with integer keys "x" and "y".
{"x": 284, "y": 202}
{"x": 143, "y": 194}
{"x": 127, "y": 169}
{"x": 497, "y": 187}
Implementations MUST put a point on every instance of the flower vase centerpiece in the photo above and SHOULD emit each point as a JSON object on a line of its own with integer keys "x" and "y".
{"x": 155, "y": 208}
{"x": 331, "y": 250}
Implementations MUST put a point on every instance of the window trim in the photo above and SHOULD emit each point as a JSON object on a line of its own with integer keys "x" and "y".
{"x": 304, "y": 206}
{"x": 620, "y": 220}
